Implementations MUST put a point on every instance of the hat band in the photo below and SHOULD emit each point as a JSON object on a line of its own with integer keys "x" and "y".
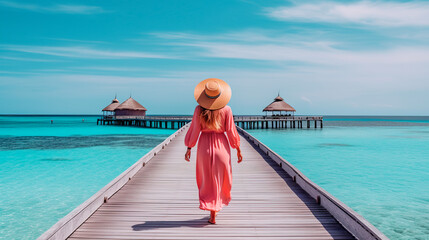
{"x": 212, "y": 97}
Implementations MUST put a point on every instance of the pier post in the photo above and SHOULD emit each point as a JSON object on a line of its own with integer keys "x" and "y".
{"x": 315, "y": 123}
{"x": 321, "y": 123}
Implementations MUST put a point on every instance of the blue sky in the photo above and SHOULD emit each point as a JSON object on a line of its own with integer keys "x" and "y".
{"x": 324, "y": 57}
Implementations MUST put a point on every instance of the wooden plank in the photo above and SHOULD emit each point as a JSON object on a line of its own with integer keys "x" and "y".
{"x": 161, "y": 202}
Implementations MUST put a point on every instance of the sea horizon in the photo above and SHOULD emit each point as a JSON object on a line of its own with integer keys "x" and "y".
{"x": 328, "y": 115}
{"x": 338, "y": 89}
{"x": 28, "y": 143}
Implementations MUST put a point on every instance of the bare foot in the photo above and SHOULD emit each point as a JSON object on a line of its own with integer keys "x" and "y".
{"x": 212, "y": 219}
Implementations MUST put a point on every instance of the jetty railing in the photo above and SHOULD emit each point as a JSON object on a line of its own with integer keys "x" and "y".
{"x": 68, "y": 224}
{"x": 351, "y": 220}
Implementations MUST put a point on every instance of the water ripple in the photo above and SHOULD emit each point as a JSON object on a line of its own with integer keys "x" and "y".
{"x": 68, "y": 142}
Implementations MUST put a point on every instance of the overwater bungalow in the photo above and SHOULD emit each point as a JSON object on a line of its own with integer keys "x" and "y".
{"x": 130, "y": 109}
{"x": 109, "y": 111}
{"x": 278, "y": 106}
{"x": 132, "y": 113}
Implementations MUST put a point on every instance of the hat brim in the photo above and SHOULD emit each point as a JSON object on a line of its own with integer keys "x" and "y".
{"x": 212, "y": 103}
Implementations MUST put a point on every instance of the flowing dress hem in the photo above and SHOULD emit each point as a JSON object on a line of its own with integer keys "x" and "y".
{"x": 216, "y": 210}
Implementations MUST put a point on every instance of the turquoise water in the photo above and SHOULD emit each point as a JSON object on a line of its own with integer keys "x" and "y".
{"x": 377, "y": 166}
{"x": 47, "y": 170}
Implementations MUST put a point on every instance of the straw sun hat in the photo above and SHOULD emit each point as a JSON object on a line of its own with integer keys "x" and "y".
{"x": 212, "y": 93}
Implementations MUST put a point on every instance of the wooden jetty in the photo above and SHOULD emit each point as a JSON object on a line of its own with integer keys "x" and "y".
{"x": 157, "y": 198}
{"x": 245, "y": 122}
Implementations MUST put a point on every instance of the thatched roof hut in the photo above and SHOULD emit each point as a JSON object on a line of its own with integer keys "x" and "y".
{"x": 131, "y": 104}
{"x": 130, "y": 108}
{"x": 111, "y": 107}
{"x": 279, "y": 105}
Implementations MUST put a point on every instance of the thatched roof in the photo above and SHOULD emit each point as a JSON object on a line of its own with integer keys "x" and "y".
{"x": 279, "y": 105}
{"x": 131, "y": 104}
{"x": 111, "y": 107}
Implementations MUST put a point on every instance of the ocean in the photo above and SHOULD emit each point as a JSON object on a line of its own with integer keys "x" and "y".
{"x": 379, "y": 166}
{"x": 47, "y": 170}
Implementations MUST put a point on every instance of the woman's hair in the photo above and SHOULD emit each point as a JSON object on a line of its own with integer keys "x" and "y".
{"x": 210, "y": 118}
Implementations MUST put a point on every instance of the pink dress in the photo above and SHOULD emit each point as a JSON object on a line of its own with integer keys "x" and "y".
{"x": 214, "y": 172}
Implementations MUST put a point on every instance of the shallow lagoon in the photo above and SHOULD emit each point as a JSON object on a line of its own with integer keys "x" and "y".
{"x": 47, "y": 170}
{"x": 377, "y": 166}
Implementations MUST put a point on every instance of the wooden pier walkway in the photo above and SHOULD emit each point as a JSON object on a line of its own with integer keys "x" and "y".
{"x": 245, "y": 122}
{"x": 160, "y": 201}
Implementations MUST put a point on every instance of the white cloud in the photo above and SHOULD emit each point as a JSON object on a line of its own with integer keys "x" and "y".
{"x": 311, "y": 53}
{"x": 25, "y": 59}
{"x": 58, "y": 8}
{"x": 81, "y": 52}
{"x": 76, "y": 40}
{"x": 390, "y": 14}
{"x": 113, "y": 69}
{"x": 317, "y": 64}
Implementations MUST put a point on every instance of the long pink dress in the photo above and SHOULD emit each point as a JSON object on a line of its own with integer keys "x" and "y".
{"x": 214, "y": 172}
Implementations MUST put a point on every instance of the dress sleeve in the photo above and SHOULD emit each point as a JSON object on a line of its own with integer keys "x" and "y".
{"x": 231, "y": 130}
{"x": 194, "y": 130}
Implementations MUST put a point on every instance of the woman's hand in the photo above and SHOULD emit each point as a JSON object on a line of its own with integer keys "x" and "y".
{"x": 188, "y": 155}
{"x": 239, "y": 156}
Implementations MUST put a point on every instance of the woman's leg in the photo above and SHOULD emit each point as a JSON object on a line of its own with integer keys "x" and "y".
{"x": 212, "y": 217}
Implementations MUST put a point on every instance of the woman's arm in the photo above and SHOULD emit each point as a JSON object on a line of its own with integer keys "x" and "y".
{"x": 231, "y": 132}
{"x": 193, "y": 133}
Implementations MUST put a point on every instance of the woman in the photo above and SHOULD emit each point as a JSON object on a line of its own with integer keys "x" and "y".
{"x": 212, "y": 118}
